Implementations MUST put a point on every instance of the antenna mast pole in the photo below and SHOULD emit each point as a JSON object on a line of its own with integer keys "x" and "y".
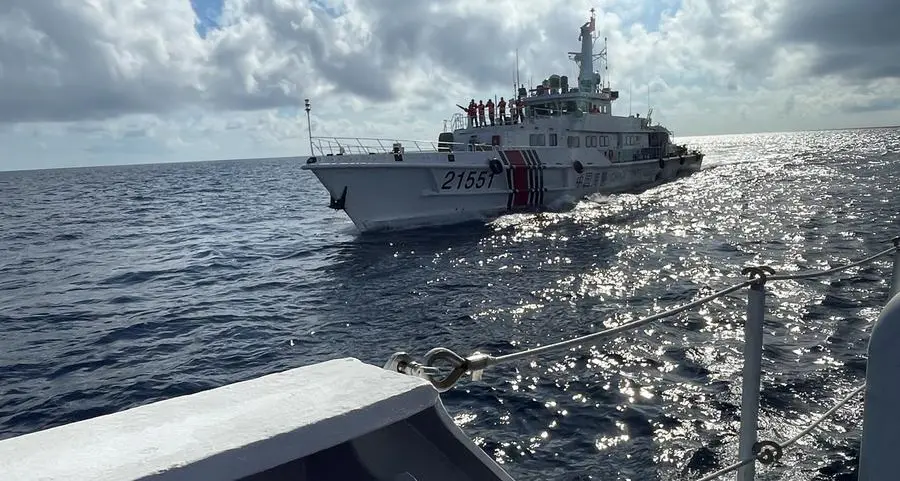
{"x": 606, "y": 54}
{"x": 517, "y": 68}
{"x": 309, "y": 128}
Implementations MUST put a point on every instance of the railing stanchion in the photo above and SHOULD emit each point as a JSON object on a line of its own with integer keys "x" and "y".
{"x": 895, "y": 279}
{"x": 753, "y": 346}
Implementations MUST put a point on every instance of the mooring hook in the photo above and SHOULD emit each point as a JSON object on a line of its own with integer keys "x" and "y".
{"x": 758, "y": 274}
{"x": 767, "y": 452}
{"x": 459, "y": 363}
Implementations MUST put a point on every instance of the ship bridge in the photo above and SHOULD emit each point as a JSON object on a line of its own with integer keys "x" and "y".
{"x": 552, "y": 102}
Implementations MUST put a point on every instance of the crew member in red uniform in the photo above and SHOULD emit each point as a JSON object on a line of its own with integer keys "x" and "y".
{"x": 481, "y": 113}
{"x": 501, "y": 106}
{"x": 490, "y": 109}
{"x": 472, "y": 112}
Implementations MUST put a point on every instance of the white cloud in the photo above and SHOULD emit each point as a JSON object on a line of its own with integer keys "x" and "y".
{"x": 104, "y": 81}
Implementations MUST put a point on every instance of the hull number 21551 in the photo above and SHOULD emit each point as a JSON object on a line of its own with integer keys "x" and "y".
{"x": 467, "y": 179}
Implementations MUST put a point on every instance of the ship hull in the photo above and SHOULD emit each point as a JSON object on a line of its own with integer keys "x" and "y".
{"x": 383, "y": 192}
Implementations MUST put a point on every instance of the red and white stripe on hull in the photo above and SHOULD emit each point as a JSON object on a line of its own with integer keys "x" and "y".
{"x": 525, "y": 178}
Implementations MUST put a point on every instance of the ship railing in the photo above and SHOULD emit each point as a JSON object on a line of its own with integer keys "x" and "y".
{"x": 336, "y": 146}
{"x": 689, "y": 146}
{"x": 326, "y": 146}
{"x": 444, "y": 368}
{"x": 461, "y": 121}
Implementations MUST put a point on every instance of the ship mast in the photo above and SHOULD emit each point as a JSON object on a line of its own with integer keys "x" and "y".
{"x": 588, "y": 80}
{"x": 586, "y": 77}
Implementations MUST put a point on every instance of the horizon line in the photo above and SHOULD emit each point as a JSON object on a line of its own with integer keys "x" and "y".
{"x": 93, "y": 166}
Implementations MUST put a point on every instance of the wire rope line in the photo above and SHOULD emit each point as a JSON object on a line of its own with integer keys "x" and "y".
{"x": 434, "y": 366}
{"x": 813, "y": 274}
{"x": 768, "y": 452}
{"x": 823, "y": 417}
{"x": 613, "y": 330}
{"x": 478, "y": 362}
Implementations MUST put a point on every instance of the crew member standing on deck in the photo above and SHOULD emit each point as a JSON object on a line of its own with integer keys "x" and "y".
{"x": 513, "y": 112}
{"x": 471, "y": 112}
{"x": 481, "y": 113}
{"x": 520, "y": 110}
{"x": 490, "y": 109}
{"x": 501, "y": 106}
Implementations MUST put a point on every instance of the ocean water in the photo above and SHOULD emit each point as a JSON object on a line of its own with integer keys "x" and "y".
{"x": 125, "y": 285}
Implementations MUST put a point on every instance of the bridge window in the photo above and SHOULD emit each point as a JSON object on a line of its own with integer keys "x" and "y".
{"x": 590, "y": 141}
{"x": 553, "y": 140}
{"x": 574, "y": 141}
{"x": 536, "y": 140}
{"x": 604, "y": 141}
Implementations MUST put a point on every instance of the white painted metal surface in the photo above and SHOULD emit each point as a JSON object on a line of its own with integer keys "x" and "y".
{"x": 569, "y": 145}
{"x": 752, "y": 375}
{"x": 326, "y": 421}
{"x": 426, "y": 189}
{"x": 881, "y": 424}
{"x": 895, "y": 277}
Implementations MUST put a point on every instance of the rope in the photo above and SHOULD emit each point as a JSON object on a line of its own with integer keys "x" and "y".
{"x": 811, "y": 274}
{"x": 478, "y": 362}
{"x": 790, "y": 442}
{"x": 823, "y": 417}
{"x": 614, "y": 330}
{"x": 733, "y": 467}
{"x": 767, "y": 452}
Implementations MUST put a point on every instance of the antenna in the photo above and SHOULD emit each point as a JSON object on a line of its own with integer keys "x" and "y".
{"x": 630, "y": 88}
{"x": 309, "y": 128}
{"x": 606, "y": 62}
{"x": 517, "y": 67}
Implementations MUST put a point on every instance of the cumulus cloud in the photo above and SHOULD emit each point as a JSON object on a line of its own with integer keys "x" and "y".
{"x": 857, "y": 39}
{"x": 71, "y": 60}
{"x": 137, "y": 73}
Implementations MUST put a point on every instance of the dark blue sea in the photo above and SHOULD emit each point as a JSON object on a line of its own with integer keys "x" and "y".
{"x": 120, "y": 286}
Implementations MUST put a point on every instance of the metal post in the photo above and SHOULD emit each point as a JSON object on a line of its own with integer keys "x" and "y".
{"x": 309, "y": 129}
{"x": 895, "y": 279}
{"x": 753, "y": 344}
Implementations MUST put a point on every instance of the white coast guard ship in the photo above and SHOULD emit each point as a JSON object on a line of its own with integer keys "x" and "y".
{"x": 567, "y": 145}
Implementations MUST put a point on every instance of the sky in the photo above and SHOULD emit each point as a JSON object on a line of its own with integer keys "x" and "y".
{"x": 102, "y": 82}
